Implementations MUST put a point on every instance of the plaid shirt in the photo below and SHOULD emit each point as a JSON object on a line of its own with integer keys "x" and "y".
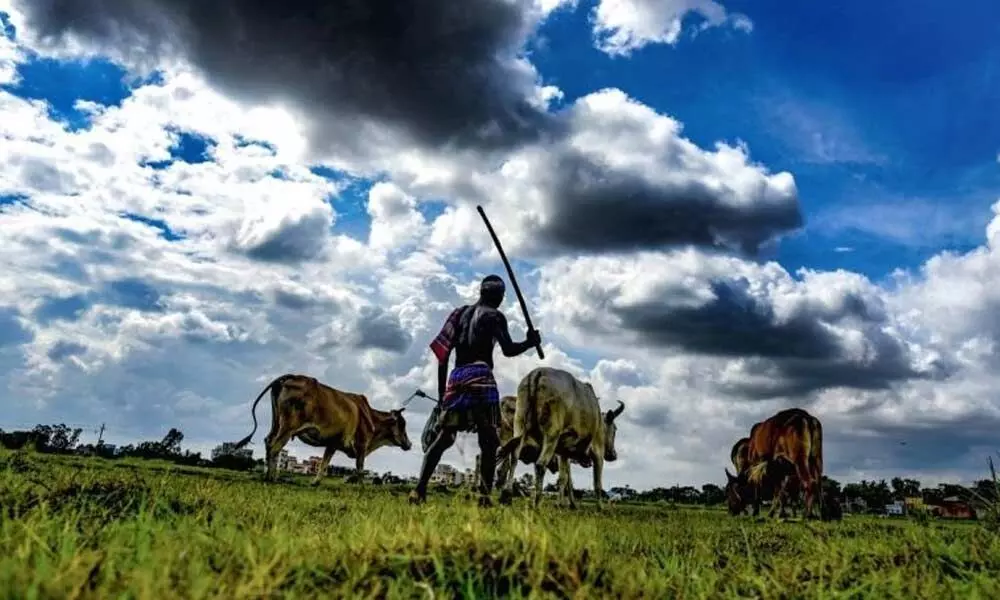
{"x": 442, "y": 344}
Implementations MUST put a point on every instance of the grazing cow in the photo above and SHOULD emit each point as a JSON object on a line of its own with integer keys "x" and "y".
{"x": 738, "y": 456}
{"x": 784, "y": 451}
{"x": 557, "y": 415}
{"x": 324, "y": 417}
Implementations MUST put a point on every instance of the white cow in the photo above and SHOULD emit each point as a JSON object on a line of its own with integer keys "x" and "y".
{"x": 557, "y": 415}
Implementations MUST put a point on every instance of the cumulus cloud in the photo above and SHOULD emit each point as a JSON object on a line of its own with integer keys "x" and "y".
{"x": 791, "y": 335}
{"x": 623, "y": 26}
{"x": 439, "y": 72}
{"x": 623, "y": 178}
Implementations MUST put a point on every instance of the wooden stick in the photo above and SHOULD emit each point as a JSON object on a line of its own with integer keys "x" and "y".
{"x": 510, "y": 273}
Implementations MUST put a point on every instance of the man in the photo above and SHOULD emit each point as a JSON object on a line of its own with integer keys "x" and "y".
{"x": 469, "y": 401}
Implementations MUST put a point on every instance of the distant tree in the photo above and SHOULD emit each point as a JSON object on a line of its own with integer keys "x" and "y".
{"x": 227, "y": 456}
{"x": 985, "y": 490}
{"x": 831, "y": 487}
{"x": 171, "y": 443}
{"x": 905, "y": 488}
{"x": 712, "y": 494}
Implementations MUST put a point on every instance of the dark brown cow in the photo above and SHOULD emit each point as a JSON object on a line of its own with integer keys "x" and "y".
{"x": 324, "y": 417}
{"x": 784, "y": 451}
{"x": 790, "y": 487}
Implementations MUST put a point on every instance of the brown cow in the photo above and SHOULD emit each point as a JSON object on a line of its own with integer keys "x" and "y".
{"x": 324, "y": 417}
{"x": 784, "y": 450}
{"x": 738, "y": 456}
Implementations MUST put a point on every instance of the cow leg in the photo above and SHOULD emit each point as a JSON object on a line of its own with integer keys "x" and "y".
{"x": 444, "y": 440}
{"x": 505, "y": 471}
{"x": 359, "y": 464}
{"x": 323, "y": 465}
{"x": 274, "y": 444}
{"x": 548, "y": 450}
{"x": 598, "y": 483}
{"x": 809, "y": 486}
{"x": 565, "y": 484}
{"x": 756, "y": 500}
{"x": 539, "y": 478}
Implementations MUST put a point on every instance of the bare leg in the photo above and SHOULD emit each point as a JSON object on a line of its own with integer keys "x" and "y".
{"x": 444, "y": 440}
{"x": 489, "y": 443}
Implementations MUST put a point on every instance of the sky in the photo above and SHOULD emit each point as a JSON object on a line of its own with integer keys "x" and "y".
{"x": 715, "y": 210}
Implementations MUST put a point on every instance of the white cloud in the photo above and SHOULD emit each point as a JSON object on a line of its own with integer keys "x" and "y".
{"x": 623, "y": 26}
{"x": 565, "y": 195}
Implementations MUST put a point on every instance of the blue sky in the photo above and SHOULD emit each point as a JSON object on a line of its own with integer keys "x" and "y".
{"x": 210, "y": 234}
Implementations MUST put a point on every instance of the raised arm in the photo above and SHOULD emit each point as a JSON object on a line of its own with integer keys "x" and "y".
{"x": 507, "y": 346}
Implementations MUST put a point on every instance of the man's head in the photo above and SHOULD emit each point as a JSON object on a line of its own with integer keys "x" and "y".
{"x": 491, "y": 291}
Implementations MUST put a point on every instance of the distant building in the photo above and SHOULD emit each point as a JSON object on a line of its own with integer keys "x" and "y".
{"x": 896, "y": 509}
{"x": 953, "y": 507}
{"x": 446, "y": 475}
{"x": 285, "y": 461}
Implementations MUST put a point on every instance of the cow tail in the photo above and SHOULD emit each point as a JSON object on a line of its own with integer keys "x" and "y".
{"x": 253, "y": 409}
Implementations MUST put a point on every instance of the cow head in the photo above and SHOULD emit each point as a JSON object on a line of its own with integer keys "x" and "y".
{"x": 737, "y": 492}
{"x": 610, "y": 429}
{"x": 397, "y": 429}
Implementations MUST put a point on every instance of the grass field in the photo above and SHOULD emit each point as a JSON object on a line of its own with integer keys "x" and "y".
{"x": 90, "y": 528}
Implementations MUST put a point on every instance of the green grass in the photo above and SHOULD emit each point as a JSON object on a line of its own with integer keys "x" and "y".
{"x": 90, "y": 528}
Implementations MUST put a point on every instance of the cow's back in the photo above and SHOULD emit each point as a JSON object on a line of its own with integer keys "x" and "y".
{"x": 330, "y": 412}
{"x": 792, "y": 434}
{"x": 564, "y": 404}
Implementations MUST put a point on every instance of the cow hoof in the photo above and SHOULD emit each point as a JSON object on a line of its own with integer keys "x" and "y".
{"x": 314, "y": 482}
{"x": 506, "y": 497}
{"x": 485, "y": 502}
{"x": 416, "y": 498}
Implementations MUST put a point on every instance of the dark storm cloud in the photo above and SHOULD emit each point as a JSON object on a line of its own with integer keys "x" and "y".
{"x": 806, "y": 354}
{"x": 597, "y": 209}
{"x": 437, "y": 69}
{"x": 441, "y": 71}
{"x": 293, "y": 241}
{"x": 920, "y": 444}
{"x": 377, "y": 328}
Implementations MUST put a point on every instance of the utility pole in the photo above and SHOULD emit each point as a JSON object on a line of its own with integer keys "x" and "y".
{"x": 100, "y": 436}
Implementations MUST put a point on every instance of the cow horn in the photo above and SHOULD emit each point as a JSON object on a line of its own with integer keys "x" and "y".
{"x": 618, "y": 411}
{"x": 729, "y": 475}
